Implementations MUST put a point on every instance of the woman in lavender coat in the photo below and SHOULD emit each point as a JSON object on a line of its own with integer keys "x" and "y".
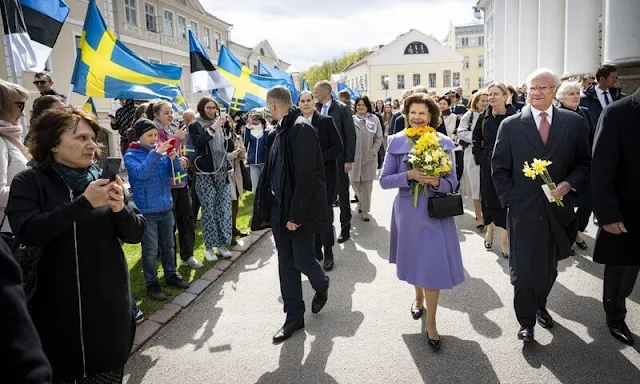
{"x": 426, "y": 251}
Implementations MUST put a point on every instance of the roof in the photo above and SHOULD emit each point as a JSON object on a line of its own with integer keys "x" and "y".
{"x": 219, "y": 19}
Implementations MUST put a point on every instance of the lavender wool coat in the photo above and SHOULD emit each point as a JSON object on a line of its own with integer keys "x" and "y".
{"x": 426, "y": 251}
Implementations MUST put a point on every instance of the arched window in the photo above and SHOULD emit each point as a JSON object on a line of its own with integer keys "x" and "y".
{"x": 416, "y": 48}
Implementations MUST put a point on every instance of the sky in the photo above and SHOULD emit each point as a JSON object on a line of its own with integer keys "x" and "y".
{"x": 307, "y": 32}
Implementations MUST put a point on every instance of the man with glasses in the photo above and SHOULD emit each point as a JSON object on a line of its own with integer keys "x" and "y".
{"x": 44, "y": 82}
{"x": 603, "y": 93}
{"x": 540, "y": 231}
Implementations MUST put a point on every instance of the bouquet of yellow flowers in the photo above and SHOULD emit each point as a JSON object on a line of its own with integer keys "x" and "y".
{"x": 539, "y": 168}
{"x": 426, "y": 154}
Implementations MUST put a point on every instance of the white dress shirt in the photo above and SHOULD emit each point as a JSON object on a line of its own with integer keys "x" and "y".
{"x": 538, "y": 119}
{"x": 600, "y": 94}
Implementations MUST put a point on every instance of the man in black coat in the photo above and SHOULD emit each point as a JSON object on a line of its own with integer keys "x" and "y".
{"x": 599, "y": 95}
{"x": 615, "y": 182}
{"x": 540, "y": 232}
{"x": 292, "y": 195}
{"x": 343, "y": 119}
{"x": 21, "y": 357}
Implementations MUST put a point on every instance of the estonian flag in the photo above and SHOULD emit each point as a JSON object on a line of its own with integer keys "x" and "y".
{"x": 204, "y": 76}
{"x": 44, "y": 20}
{"x": 16, "y": 37}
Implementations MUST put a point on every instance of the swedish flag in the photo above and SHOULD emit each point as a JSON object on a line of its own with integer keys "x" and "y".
{"x": 188, "y": 150}
{"x": 250, "y": 90}
{"x": 107, "y": 68}
{"x": 89, "y": 106}
{"x": 179, "y": 177}
{"x": 273, "y": 71}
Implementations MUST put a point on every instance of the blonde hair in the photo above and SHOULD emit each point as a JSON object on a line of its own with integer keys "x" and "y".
{"x": 475, "y": 98}
{"x": 10, "y": 94}
{"x": 500, "y": 86}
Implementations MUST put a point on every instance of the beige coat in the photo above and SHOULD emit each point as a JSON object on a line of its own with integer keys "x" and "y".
{"x": 368, "y": 141}
{"x": 235, "y": 175}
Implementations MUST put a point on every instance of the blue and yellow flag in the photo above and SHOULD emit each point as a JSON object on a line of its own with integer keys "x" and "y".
{"x": 179, "y": 177}
{"x": 274, "y": 71}
{"x": 188, "y": 150}
{"x": 305, "y": 86}
{"x": 89, "y": 106}
{"x": 250, "y": 90}
{"x": 106, "y": 68}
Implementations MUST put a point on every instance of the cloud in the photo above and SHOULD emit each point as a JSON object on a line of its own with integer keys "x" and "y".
{"x": 305, "y": 33}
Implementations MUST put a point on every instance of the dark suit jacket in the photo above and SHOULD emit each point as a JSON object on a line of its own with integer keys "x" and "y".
{"x": 540, "y": 232}
{"x": 343, "y": 119}
{"x": 331, "y": 147}
{"x": 616, "y": 181}
{"x": 590, "y": 100}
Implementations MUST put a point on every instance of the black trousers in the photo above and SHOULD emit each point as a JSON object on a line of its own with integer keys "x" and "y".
{"x": 326, "y": 238}
{"x": 618, "y": 285}
{"x": 527, "y": 301}
{"x": 459, "y": 166}
{"x": 583, "y": 213}
{"x": 295, "y": 256}
{"x": 195, "y": 200}
{"x": 184, "y": 222}
{"x": 345, "y": 201}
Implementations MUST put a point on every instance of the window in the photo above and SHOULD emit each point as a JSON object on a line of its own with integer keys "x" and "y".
{"x": 154, "y": 61}
{"x": 416, "y": 79}
{"x": 446, "y": 78}
{"x": 216, "y": 35}
{"x": 481, "y": 61}
{"x": 456, "y": 79}
{"x": 480, "y": 82}
{"x": 465, "y": 62}
{"x": 416, "y": 48}
{"x": 400, "y": 81}
{"x": 150, "y": 17}
{"x": 131, "y": 12}
{"x": 480, "y": 41}
{"x": 168, "y": 23}
{"x": 366, "y": 82}
{"x": 194, "y": 29}
{"x": 432, "y": 80}
{"x": 384, "y": 80}
{"x": 255, "y": 69}
{"x": 182, "y": 27}
{"x": 465, "y": 83}
{"x": 464, "y": 41}
{"x": 207, "y": 37}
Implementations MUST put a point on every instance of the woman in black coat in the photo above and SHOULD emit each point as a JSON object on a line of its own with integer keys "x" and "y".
{"x": 568, "y": 95}
{"x": 484, "y": 138}
{"x": 82, "y": 306}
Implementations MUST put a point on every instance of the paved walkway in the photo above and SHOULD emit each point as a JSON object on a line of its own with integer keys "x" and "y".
{"x": 365, "y": 333}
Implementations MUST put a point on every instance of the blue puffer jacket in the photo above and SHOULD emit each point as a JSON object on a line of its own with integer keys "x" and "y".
{"x": 255, "y": 147}
{"x": 149, "y": 173}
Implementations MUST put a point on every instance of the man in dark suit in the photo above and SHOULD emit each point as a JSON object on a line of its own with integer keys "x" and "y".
{"x": 331, "y": 147}
{"x": 292, "y": 195}
{"x": 540, "y": 232}
{"x": 457, "y": 108}
{"x": 614, "y": 180}
{"x": 343, "y": 119}
{"x": 599, "y": 95}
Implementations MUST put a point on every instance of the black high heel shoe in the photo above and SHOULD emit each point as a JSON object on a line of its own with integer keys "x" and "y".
{"x": 582, "y": 245}
{"x": 416, "y": 313}
{"x": 488, "y": 245}
{"x": 479, "y": 227}
{"x": 433, "y": 343}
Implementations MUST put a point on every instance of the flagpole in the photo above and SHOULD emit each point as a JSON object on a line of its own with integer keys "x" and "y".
{"x": 12, "y": 64}
{"x": 69, "y": 94}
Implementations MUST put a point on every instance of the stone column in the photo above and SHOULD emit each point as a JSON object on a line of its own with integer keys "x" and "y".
{"x": 499, "y": 39}
{"x": 622, "y": 41}
{"x": 580, "y": 28}
{"x": 528, "y": 35}
{"x": 551, "y": 35}
{"x": 512, "y": 42}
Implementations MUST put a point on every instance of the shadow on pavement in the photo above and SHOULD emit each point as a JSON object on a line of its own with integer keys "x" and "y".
{"x": 371, "y": 236}
{"x": 457, "y": 299}
{"x": 459, "y": 361}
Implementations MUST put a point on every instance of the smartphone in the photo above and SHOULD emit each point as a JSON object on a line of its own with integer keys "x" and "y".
{"x": 111, "y": 116}
{"x": 223, "y": 114}
{"x": 111, "y": 168}
{"x": 172, "y": 148}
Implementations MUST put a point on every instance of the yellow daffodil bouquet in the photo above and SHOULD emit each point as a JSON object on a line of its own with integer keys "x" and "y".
{"x": 539, "y": 168}
{"x": 426, "y": 154}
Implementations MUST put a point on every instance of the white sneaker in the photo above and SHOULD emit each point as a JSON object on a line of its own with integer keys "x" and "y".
{"x": 193, "y": 263}
{"x": 210, "y": 255}
{"x": 224, "y": 253}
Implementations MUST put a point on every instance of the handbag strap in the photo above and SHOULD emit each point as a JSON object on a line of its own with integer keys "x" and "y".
{"x": 443, "y": 193}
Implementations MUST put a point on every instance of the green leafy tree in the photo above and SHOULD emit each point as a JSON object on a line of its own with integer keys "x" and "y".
{"x": 323, "y": 71}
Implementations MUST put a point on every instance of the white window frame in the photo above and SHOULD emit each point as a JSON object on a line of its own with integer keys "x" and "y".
{"x": 481, "y": 62}
{"x": 164, "y": 23}
{"x": 413, "y": 79}
{"x": 398, "y": 81}
{"x": 217, "y": 36}
{"x": 435, "y": 80}
{"x": 466, "y": 62}
{"x": 455, "y": 79}
{"x": 206, "y": 36}
{"x": 194, "y": 28}
{"x": 480, "y": 82}
{"x": 186, "y": 28}
{"x": 135, "y": 9}
{"x": 445, "y": 83}
{"x": 155, "y": 17}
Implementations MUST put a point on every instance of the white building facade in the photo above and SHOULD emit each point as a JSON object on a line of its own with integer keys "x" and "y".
{"x": 572, "y": 37}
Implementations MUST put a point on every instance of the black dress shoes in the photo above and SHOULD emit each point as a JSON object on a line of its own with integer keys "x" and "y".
{"x": 328, "y": 260}
{"x": 582, "y": 245}
{"x": 620, "y": 331}
{"x": 287, "y": 330}
{"x": 344, "y": 236}
{"x": 544, "y": 319}
{"x": 319, "y": 255}
{"x": 434, "y": 344}
{"x": 526, "y": 334}
{"x": 416, "y": 313}
{"x": 320, "y": 299}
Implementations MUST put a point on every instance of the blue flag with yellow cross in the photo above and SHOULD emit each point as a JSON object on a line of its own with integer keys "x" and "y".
{"x": 106, "y": 68}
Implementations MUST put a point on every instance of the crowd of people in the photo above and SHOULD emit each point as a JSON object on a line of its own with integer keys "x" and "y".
{"x": 301, "y": 162}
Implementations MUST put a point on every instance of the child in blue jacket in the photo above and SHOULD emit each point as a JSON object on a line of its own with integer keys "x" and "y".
{"x": 150, "y": 170}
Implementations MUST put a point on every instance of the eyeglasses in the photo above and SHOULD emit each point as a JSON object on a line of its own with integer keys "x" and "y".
{"x": 20, "y": 105}
{"x": 40, "y": 82}
{"x": 541, "y": 89}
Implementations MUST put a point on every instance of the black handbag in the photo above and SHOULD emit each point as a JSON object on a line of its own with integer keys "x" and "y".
{"x": 27, "y": 257}
{"x": 247, "y": 185}
{"x": 445, "y": 204}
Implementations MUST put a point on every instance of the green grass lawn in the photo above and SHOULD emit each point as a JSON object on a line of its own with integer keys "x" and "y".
{"x": 133, "y": 255}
